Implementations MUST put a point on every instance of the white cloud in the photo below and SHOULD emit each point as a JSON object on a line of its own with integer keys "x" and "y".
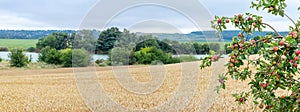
{"x": 9, "y": 20}
{"x": 57, "y": 14}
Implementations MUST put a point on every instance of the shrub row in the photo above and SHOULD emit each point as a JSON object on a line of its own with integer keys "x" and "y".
{"x": 30, "y": 49}
{"x": 65, "y": 57}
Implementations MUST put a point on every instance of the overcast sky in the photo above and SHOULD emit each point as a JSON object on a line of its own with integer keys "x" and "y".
{"x": 69, "y": 14}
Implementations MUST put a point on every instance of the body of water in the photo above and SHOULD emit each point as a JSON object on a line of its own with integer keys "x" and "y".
{"x": 34, "y": 56}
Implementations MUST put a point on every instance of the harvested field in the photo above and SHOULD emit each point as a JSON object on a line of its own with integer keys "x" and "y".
{"x": 56, "y": 90}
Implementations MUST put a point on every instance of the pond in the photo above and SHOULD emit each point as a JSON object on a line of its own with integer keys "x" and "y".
{"x": 35, "y": 56}
{"x": 4, "y": 56}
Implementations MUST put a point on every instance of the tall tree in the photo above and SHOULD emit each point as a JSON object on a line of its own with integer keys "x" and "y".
{"x": 107, "y": 39}
{"x": 85, "y": 39}
{"x": 56, "y": 40}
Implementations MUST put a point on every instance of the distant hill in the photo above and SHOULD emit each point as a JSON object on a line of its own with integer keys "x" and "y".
{"x": 203, "y": 36}
{"x": 197, "y": 36}
{"x": 28, "y": 34}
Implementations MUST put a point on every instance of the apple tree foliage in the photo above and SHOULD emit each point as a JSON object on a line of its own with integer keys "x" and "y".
{"x": 275, "y": 69}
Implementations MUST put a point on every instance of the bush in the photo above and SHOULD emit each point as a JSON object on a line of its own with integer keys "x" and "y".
{"x": 0, "y": 60}
{"x": 149, "y": 54}
{"x": 66, "y": 57}
{"x": 80, "y": 58}
{"x": 102, "y": 62}
{"x": 17, "y": 58}
{"x": 188, "y": 58}
{"x": 119, "y": 56}
{"x": 3, "y": 49}
{"x": 215, "y": 47}
{"x": 31, "y": 49}
{"x": 50, "y": 56}
{"x": 201, "y": 48}
{"x": 173, "y": 60}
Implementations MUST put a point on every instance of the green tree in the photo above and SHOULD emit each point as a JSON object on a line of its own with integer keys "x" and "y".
{"x": 128, "y": 40}
{"x": 80, "y": 58}
{"x": 150, "y": 54}
{"x": 66, "y": 57}
{"x": 184, "y": 48}
{"x": 85, "y": 39}
{"x": 215, "y": 47}
{"x": 155, "y": 43}
{"x": 17, "y": 58}
{"x": 50, "y": 41}
{"x": 120, "y": 56}
{"x": 50, "y": 56}
{"x": 107, "y": 39}
{"x": 57, "y": 41}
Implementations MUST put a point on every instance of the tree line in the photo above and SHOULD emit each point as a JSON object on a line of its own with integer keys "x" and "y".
{"x": 112, "y": 37}
{"x": 123, "y": 47}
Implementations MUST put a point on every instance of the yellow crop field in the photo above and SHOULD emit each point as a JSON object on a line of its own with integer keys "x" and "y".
{"x": 56, "y": 90}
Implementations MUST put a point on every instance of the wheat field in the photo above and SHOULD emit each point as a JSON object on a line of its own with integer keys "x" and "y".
{"x": 56, "y": 90}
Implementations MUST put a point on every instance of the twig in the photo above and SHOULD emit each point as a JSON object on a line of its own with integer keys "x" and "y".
{"x": 272, "y": 29}
{"x": 290, "y": 19}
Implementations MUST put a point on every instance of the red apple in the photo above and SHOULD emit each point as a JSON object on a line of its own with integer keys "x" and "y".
{"x": 295, "y": 35}
{"x": 267, "y": 107}
{"x": 297, "y": 52}
{"x": 233, "y": 57}
{"x": 296, "y": 58}
{"x": 249, "y": 18}
{"x": 295, "y": 32}
{"x": 235, "y": 45}
{"x": 281, "y": 42}
{"x": 231, "y": 65}
{"x": 254, "y": 24}
{"x": 275, "y": 48}
{"x": 236, "y": 21}
{"x": 263, "y": 85}
{"x": 287, "y": 45}
{"x": 241, "y": 45}
{"x": 240, "y": 15}
{"x": 219, "y": 21}
{"x": 216, "y": 57}
{"x": 232, "y": 47}
{"x": 253, "y": 41}
{"x": 295, "y": 64}
{"x": 232, "y": 60}
{"x": 240, "y": 35}
{"x": 227, "y": 21}
{"x": 236, "y": 61}
{"x": 242, "y": 100}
